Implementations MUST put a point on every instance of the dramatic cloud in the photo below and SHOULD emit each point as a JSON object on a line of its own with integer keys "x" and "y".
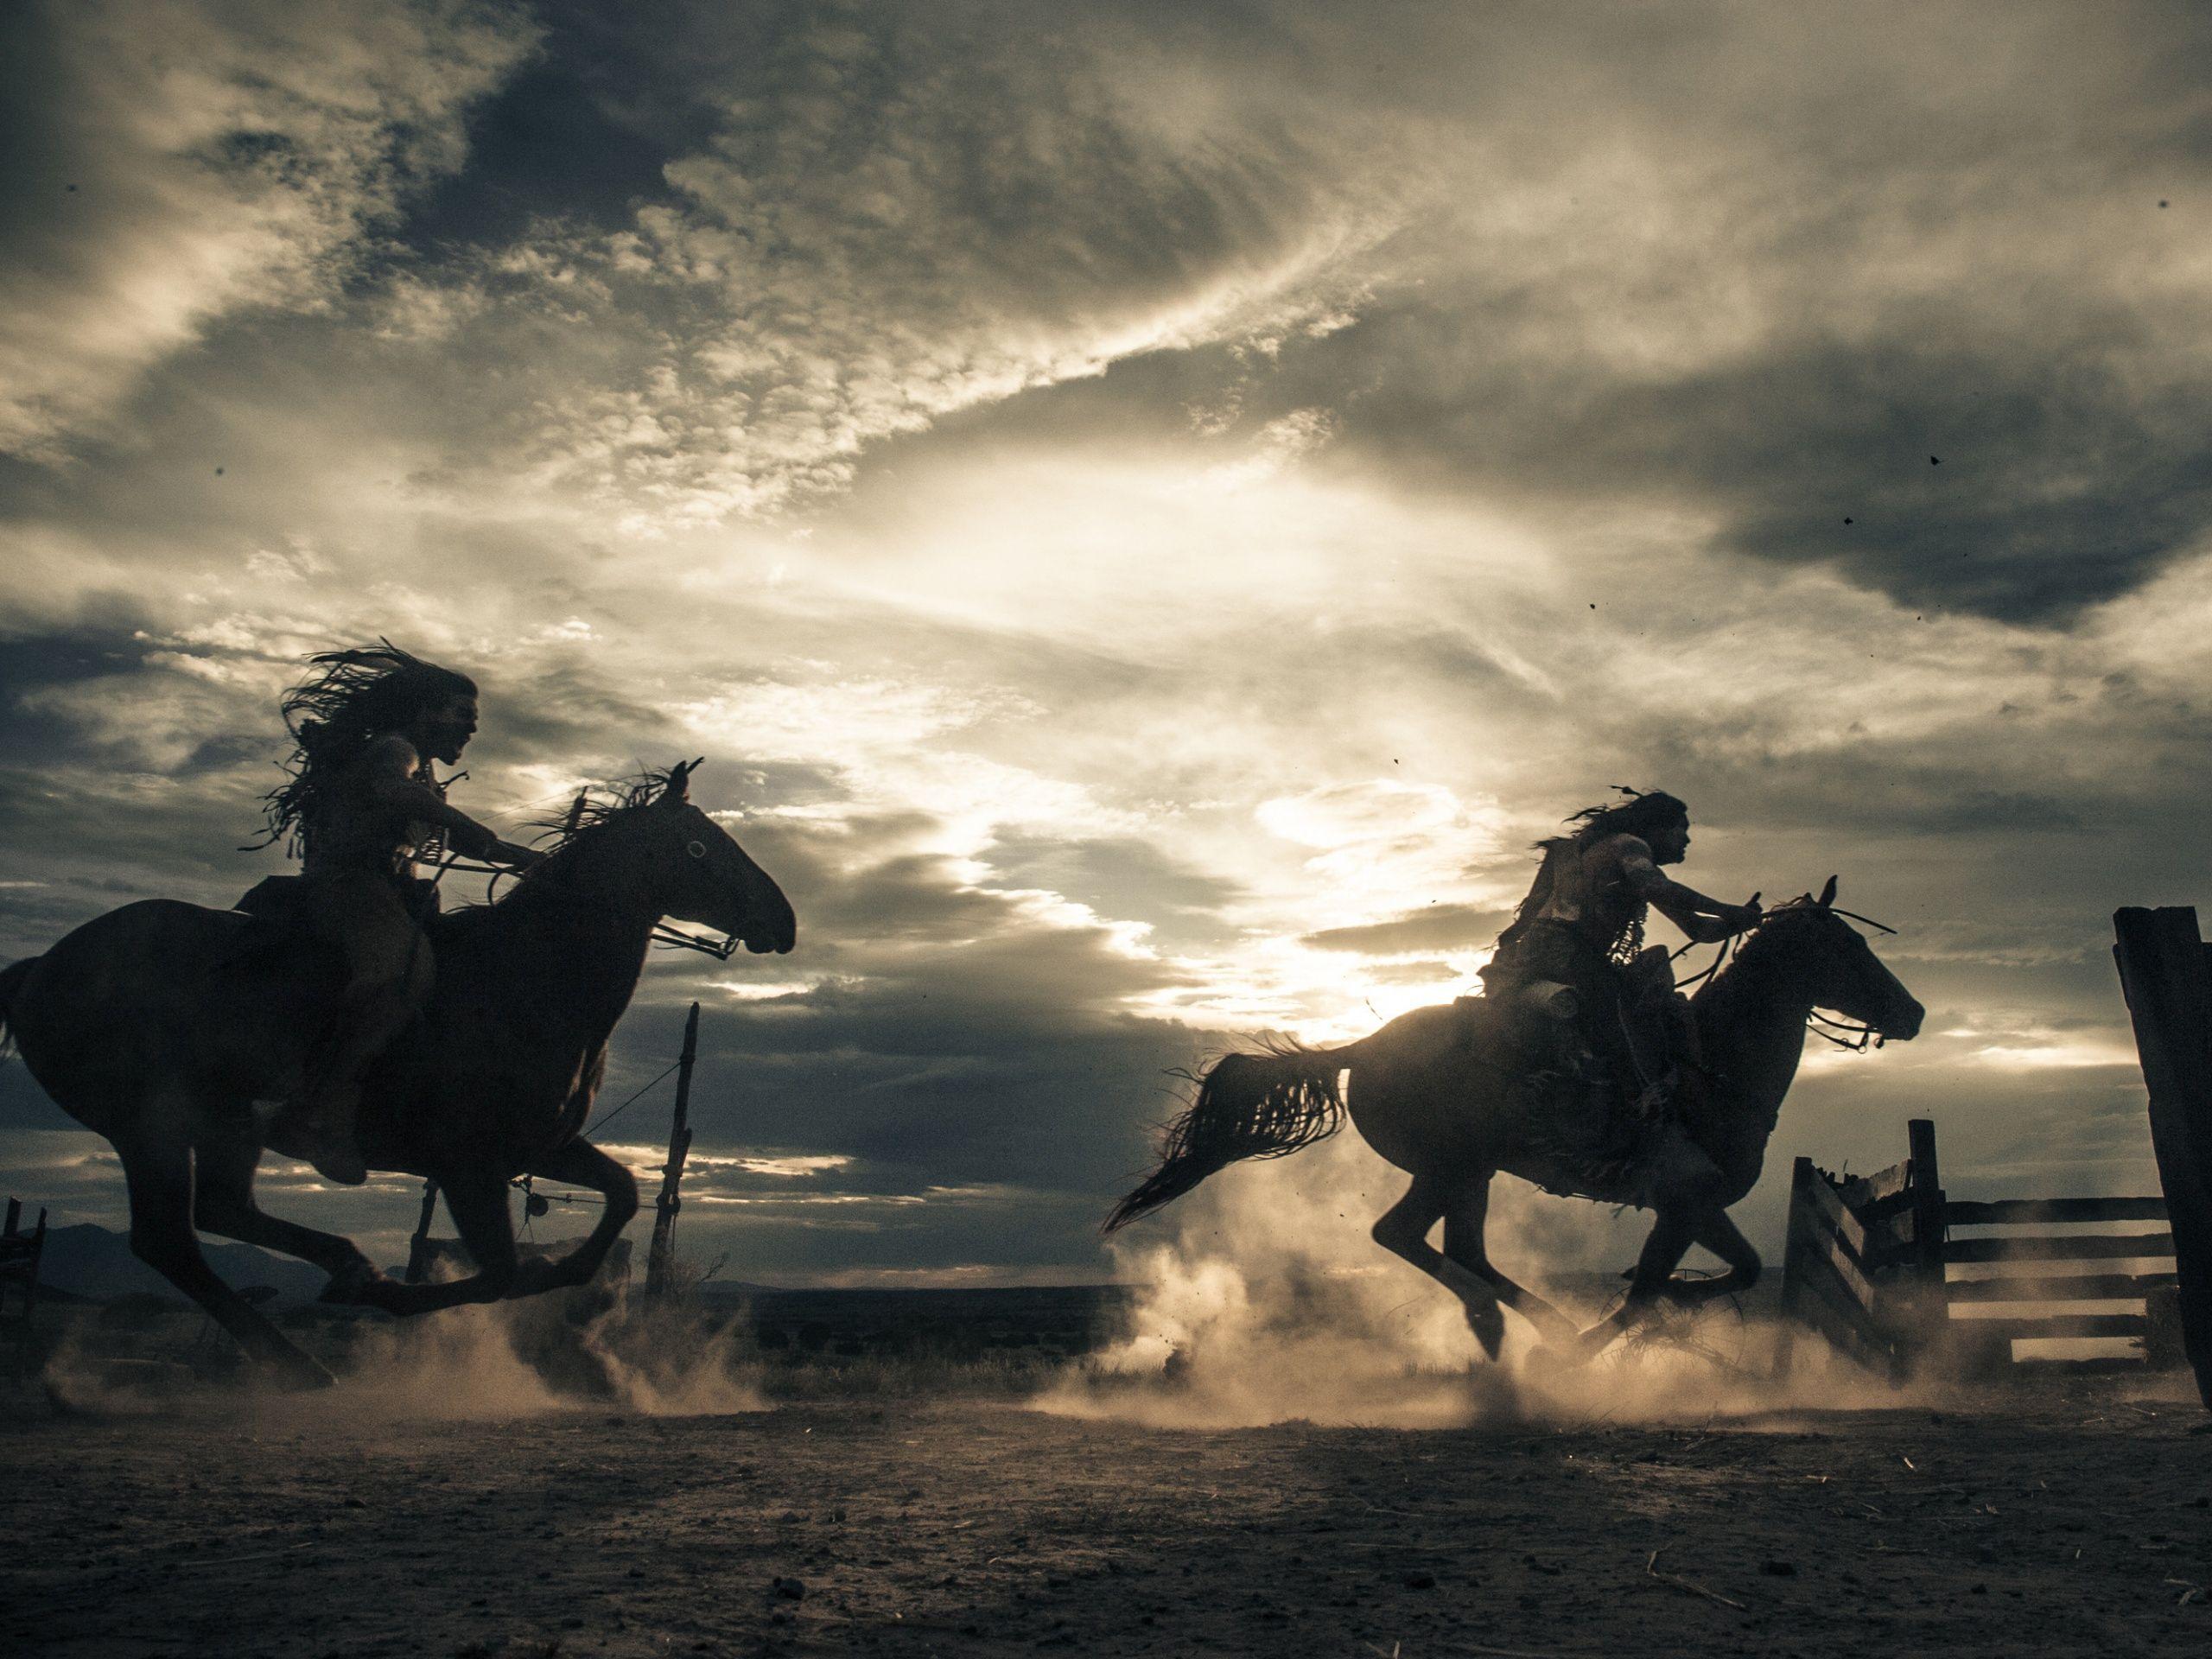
{"x": 175, "y": 162}
{"x": 1148, "y": 512}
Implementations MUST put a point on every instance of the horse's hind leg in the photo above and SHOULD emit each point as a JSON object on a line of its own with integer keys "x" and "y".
{"x": 223, "y": 1204}
{"x": 1403, "y": 1230}
{"x": 1464, "y": 1220}
{"x": 157, "y": 1166}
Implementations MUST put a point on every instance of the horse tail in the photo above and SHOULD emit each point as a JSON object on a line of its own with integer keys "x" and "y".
{"x": 11, "y": 980}
{"x": 1247, "y": 1106}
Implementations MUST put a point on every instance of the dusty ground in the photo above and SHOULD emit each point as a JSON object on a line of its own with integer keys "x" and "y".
{"x": 2070, "y": 1521}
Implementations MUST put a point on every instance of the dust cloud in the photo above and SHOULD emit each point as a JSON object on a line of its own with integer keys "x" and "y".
{"x": 1269, "y": 1302}
{"x": 484, "y": 1363}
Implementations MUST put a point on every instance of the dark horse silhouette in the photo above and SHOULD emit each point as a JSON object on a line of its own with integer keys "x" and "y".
{"x": 162, "y": 1024}
{"x": 1452, "y": 1110}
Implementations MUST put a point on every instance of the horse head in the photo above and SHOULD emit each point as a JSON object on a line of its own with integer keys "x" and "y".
{"x": 1836, "y": 967}
{"x": 690, "y": 867}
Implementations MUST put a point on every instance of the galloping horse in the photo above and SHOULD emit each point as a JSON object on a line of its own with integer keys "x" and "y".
{"x": 160, "y": 1024}
{"x": 1452, "y": 1112}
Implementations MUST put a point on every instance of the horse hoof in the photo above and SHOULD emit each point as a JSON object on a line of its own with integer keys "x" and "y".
{"x": 364, "y": 1286}
{"x": 1490, "y": 1331}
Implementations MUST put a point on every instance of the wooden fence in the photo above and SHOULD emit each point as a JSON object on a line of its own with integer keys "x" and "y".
{"x": 1900, "y": 1277}
{"x": 1855, "y": 1270}
{"x": 2165, "y": 972}
{"x": 20, "y": 1253}
{"x": 1903, "y": 1278}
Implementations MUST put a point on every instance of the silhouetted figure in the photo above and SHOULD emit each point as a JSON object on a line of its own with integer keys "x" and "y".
{"x": 1450, "y": 1101}
{"x": 162, "y": 1024}
{"x": 1573, "y": 977}
{"x": 363, "y": 803}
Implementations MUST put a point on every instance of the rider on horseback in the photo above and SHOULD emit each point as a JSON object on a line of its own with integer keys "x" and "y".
{"x": 362, "y": 804}
{"x": 1572, "y": 964}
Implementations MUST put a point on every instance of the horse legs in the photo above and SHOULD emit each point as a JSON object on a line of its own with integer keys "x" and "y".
{"x": 1686, "y": 1191}
{"x": 1403, "y": 1231}
{"x": 157, "y": 1169}
{"x": 580, "y": 1163}
{"x": 1464, "y": 1219}
{"x": 1718, "y": 1233}
{"x": 223, "y": 1204}
{"x": 478, "y": 1204}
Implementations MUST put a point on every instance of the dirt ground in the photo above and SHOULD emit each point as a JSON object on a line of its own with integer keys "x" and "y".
{"x": 2068, "y": 1519}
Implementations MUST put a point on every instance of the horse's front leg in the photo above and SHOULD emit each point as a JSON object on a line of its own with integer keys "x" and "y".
{"x": 477, "y": 1203}
{"x": 1718, "y": 1233}
{"x": 579, "y": 1163}
{"x": 1686, "y": 1186}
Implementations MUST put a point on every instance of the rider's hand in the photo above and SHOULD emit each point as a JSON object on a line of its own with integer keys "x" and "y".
{"x": 514, "y": 857}
{"x": 1742, "y": 919}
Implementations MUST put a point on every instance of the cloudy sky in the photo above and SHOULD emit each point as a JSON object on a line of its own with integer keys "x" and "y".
{"x": 1148, "y": 510}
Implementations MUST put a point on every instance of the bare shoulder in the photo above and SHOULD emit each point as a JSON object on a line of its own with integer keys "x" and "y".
{"x": 389, "y": 756}
{"x": 1625, "y": 850}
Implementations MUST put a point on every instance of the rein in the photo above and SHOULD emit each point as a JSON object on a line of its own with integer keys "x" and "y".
{"x": 664, "y": 936}
{"x": 1820, "y": 1025}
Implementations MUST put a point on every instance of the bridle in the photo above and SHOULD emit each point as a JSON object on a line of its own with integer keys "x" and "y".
{"x": 663, "y": 936}
{"x": 1820, "y": 1025}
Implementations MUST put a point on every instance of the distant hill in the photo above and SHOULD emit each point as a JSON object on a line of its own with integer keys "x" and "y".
{"x": 90, "y": 1260}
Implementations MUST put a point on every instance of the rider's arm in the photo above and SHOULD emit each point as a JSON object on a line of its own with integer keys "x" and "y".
{"x": 1702, "y": 920}
{"x": 391, "y": 770}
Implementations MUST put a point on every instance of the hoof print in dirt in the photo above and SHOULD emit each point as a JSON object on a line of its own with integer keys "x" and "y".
{"x": 789, "y": 1589}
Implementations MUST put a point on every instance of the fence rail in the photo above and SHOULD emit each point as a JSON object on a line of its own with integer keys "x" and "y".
{"x": 1870, "y": 1259}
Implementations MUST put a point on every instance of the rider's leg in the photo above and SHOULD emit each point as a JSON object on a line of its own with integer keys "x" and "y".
{"x": 389, "y": 972}
{"x": 223, "y": 1204}
{"x": 1464, "y": 1220}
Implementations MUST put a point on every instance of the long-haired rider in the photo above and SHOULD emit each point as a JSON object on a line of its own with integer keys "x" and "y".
{"x": 1581, "y": 926}
{"x": 362, "y": 804}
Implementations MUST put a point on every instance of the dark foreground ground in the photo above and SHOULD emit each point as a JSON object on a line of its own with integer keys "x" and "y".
{"x": 2075, "y": 1520}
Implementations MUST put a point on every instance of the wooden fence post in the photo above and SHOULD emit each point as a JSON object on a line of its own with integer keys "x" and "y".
{"x": 418, "y": 1247}
{"x": 2165, "y": 977}
{"x": 1801, "y": 1176}
{"x": 19, "y": 1255}
{"x": 660, "y": 1259}
{"x": 1930, "y": 1310}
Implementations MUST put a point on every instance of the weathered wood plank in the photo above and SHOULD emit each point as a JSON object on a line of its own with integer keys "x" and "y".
{"x": 2166, "y": 977}
{"x": 1825, "y": 1306}
{"x": 1832, "y": 1212}
{"x": 2057, "y": 1288}
{"x": 2100, "y": 1365}
{"x": 2058, "y": 1247}
{"x": 1824, "y": 1247}
{"x": 2057, "y": 1324}
{"x": 1921, "y": 1311}
{"x": 1970, "y": 1213}
{"x": 1862, "y": 1191}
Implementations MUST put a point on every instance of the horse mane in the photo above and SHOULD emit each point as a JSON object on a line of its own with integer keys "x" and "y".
{"x": 600, "y": 802}
{"x": 1771, "y": 935}
{"x": 596, "y": 806}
